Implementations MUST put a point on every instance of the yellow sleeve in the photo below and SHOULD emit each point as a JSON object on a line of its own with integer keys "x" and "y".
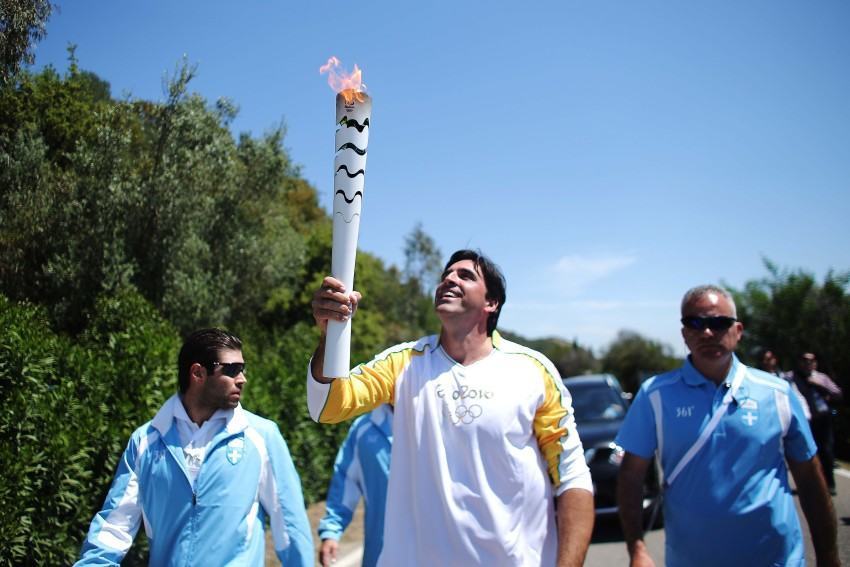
{"x": 368, "y": 386}
{"x": 553, "y": 425}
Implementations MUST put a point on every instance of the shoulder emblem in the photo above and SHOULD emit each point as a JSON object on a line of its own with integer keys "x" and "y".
{"x": 749, "y": 411}
{"x": 235, "y": 450}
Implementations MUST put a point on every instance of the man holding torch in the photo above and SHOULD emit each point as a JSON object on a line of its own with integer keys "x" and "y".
{"x": 484, "y": 436}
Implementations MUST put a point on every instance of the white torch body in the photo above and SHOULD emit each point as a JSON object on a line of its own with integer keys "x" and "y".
{"x": 352, "y": 139}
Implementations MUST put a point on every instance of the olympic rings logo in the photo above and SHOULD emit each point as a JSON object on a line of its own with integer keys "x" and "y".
{"x": 465, "y": 415}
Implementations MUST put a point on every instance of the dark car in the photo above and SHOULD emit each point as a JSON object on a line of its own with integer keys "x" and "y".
{"x": 600, "y": 406}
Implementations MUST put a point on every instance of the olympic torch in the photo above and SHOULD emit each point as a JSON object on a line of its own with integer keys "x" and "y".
{"x": 353, "y": 110}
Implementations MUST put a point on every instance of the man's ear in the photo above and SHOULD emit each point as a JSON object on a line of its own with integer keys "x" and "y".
{"x": 492, "y": 305}
{"x": 739, "y": 328}
{"x": 197, "y": 373}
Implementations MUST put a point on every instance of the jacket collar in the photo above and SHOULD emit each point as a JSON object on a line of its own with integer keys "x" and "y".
{"x": 164, "y": 418}
{"x": 694, "y": 377}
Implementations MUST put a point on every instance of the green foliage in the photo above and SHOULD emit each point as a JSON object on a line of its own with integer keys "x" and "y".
{"x": 157, "y": 196}
{"x": 61, "y": 109}
{"x": 22, "y": 24}
{"x": 633, "y": 358}
{"x": 38, "y": 459}
{"x": 630, "y": 357}
{"x": 423, "y": 261}
{"x": 69, "y": 407}
{"x": 569, "y": 357}
{"x": 791, "y": 313}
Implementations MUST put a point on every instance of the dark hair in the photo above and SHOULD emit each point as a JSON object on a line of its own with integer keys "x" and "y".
{"x": 203, "y": 346}
{"x": 494, "y": 280}
{"x": 759, "y": 353}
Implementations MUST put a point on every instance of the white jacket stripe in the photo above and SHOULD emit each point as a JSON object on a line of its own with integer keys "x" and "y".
{"x": 655, "y": 402}
{"x": 120, "y": 526}
{"x": 267, "y": 492}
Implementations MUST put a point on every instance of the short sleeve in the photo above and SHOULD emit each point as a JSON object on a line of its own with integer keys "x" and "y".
{"x": 637, "y": 434}
{"x": 799, "y": 444}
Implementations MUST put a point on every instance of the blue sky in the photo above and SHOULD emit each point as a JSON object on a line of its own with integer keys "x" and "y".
{"x": 608, "y": 155}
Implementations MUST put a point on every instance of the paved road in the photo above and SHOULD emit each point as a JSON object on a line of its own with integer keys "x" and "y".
{"x": 608, "y": 548}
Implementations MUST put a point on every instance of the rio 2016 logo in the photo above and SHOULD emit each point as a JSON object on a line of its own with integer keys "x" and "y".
{"x": 465, "y": 412}
{"x": 464, "y": 392}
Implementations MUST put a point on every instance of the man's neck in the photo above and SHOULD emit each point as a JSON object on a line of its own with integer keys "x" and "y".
{"x": 466, "y": 347}
{"x": 196, "y": 412}
{"x": 715, "y": 372}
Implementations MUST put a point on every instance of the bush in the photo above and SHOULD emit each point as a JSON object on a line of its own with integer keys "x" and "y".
{"x": 45, "y": 466}
{"x": 69, "y": 409}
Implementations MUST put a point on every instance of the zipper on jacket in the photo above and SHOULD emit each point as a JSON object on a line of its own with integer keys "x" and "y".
{"x": 194, "y": 498}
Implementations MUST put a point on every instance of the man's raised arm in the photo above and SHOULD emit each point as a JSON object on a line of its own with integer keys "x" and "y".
{"x": 331, "y": 301}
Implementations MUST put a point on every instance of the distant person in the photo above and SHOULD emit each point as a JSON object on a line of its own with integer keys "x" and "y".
{"x": 361, "y": 470}
{"x": 770, "y": 364}
{"x": 723, "y": 434}
{"x": 484, "y": 439}
{"x": 821, "y": 393}
{"x": 204, "y": 474}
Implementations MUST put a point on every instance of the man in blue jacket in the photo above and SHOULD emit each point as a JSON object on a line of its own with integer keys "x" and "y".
{"x": 204, "y": 474}
{"x": 362, "y": 469}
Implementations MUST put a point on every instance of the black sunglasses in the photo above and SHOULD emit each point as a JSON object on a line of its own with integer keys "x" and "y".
{"x": 717, "y": 323}
{"x": 231, "y": 369}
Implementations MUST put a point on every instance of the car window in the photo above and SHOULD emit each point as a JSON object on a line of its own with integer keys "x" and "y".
{"x": 596, "y": 402}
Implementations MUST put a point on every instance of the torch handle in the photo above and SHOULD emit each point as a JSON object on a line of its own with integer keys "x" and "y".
{"x": 344, "y": 255}
{"x": 351, "y": 141}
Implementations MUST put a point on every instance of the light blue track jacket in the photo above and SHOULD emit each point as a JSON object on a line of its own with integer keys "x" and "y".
{"x": 362, "y": 468}
{"x": 247, "y": 475}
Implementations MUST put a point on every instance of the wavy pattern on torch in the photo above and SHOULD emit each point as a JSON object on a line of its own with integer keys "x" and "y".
{"x": 348, "y": 221}
{"x": 348, "y": 173}
{"x": 352, "y": 123}
{"x": 350, "y": 146}
{"x": 347, "y": 200}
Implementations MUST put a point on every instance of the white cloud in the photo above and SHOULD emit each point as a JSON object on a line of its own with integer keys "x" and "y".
{"x": 577, "y": 272}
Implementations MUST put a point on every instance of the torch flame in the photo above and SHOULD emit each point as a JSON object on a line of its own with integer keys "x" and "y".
{"x": 349, "y": 85}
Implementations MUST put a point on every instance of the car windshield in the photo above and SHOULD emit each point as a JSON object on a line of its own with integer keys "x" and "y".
{"x": 596, "y": 402}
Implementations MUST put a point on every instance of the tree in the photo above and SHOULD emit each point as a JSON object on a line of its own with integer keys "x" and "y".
{"x": 633, "y": 357}
{"x": 790, "y": 313}
{"x": 158, "y": 196}
{"x": 569, "y": 357}
{"x": 22, "y": 24}
{"x": 423, "y": 261}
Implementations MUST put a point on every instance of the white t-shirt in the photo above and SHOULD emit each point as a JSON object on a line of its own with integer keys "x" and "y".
{"x": 479, "y": 451}
{"x": 195, "y": 439}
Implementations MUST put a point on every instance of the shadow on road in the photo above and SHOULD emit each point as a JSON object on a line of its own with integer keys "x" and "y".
{"x": 607, "y": 530}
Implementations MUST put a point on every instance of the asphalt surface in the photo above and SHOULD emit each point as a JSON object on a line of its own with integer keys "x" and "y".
{"x": 607, "y": 547}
